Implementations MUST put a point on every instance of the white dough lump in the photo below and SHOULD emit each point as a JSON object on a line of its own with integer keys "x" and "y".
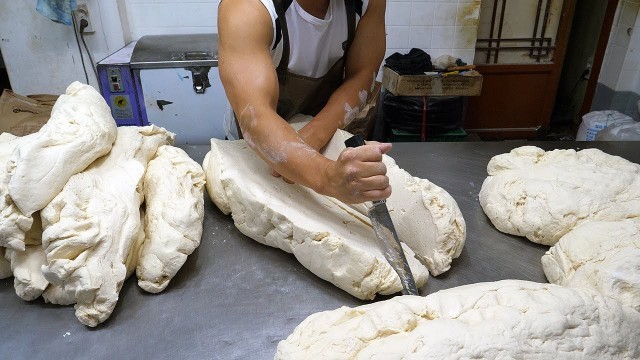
{"x": 333, "y": 240}
{"x": 543, "y": 195}
{"x": 93, "y": 228}
{"x": 13, "y": 223}
{"x": 80, "y": 130}
{"x": 174, "y": 203}
{"x": 603, "y": 255}
{"x": 508, "y": 319}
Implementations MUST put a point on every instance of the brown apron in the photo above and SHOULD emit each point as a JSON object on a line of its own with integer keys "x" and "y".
{"x": 302, "y": 94}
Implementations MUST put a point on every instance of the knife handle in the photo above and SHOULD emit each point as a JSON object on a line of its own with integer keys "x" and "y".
{"x": 354, "y": 141}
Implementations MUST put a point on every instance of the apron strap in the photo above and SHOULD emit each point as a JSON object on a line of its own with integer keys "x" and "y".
{"x": 351, "y": 24}
{"x": 281, "y": 9}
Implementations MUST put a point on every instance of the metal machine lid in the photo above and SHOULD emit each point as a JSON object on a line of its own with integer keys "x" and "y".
{"x": 170, "y": 51}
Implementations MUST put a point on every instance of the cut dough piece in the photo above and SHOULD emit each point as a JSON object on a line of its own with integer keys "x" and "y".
{"x": 13, "y": 223}
{"x": 335, "y": 242}
{"x": 543, "y": 195}
{"x": 93, "y": 228}
{"x": 80, "y": 130}
{"x": 507, "y": 319}
{"x": 603, "y": 255}
{"x": 5, "y": 265}
{"x": 340, "y": 245}
{"x": 59, "y": 295}
{"x": 174, "y": 203}
{"x": 27, "y": 274}
{"x": 425, "y": 216}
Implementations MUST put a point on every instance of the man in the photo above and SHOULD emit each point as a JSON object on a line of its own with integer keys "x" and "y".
{"x": 278, "y": 58}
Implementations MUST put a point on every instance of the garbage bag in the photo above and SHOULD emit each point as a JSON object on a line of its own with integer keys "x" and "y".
{"x": 620, "y": 132}
{"x": 444, "y": 113}
{"x": 596, "y": 121}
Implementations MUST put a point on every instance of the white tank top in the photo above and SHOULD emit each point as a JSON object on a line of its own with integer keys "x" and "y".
{"x": 315, "y": 44}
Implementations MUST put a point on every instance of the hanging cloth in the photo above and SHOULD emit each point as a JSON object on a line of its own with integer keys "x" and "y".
{"x": 57, "y": 10}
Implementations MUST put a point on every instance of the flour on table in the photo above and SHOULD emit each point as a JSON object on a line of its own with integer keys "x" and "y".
{"x": 333, "y": 240}
{"x": 508, "y": 319}
{"x": 93, "y": 228}
{"x": 80, "y": 130}
{"x": 543, "y": 195}
{"x": 603, "y": 255}
{"x": 174, "y": 203}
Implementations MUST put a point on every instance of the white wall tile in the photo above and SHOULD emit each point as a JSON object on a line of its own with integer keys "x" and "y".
{"x": 398, "y": 13}
{"x": 397, "y": 37}
{"x": 420, "y": 37}
{"x": 442, "y": 37}
{"x": 422, "y": 13}
{"x": 445, "y": 13}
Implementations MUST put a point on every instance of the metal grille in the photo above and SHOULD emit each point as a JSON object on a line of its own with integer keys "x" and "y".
{"x": 539, "y": 46}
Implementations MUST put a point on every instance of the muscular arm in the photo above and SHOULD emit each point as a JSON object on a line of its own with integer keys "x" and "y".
{"x": 251, "y": 84}
{"x": 363, "y": 61}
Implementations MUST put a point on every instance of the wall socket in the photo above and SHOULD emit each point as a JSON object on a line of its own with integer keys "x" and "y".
{"x": 82, "y": 12}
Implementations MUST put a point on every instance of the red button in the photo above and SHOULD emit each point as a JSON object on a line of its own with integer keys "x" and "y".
{"x": 116, "y": 87}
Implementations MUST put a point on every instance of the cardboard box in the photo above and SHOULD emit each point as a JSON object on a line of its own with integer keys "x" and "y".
{"x": 432, "y": 85}
{"x": 23, "y": 115}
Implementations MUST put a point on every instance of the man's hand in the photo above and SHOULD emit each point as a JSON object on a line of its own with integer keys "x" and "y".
{"x": 359, "y": 175}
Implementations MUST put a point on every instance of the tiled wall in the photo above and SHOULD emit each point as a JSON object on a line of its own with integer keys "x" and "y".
{"x": 619, "y": 82}
{"x": 622, "y": 58}
{"x": 436, "y": 26}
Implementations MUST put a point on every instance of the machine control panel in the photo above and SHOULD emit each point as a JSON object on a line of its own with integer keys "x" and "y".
{"x": 114, "y": 77}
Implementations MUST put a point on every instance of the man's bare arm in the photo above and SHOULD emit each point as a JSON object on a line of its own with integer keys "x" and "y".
{"x": 363, "y": 61}
{"x": 251, "y": 84}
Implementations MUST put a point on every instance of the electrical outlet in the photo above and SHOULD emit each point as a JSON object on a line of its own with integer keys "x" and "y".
{"x": 82, "y": 13}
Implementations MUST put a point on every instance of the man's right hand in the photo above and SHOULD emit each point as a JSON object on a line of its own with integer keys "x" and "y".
{"x": 359, "y": 175}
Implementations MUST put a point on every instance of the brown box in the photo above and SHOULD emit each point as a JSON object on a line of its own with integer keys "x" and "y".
{"x": 432, "y": 85}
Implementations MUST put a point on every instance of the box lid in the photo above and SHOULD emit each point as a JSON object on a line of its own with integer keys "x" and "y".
{"x": 183, "y": 50}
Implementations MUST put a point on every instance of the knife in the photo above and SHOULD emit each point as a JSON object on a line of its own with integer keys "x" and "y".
{"x": 387, "y": 236}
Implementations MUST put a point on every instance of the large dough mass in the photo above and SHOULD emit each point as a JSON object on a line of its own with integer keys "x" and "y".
{"x": 93, "y": 228}
{"x": 333, "y": 240}
{"x": 508, "y": 319}
{"x": 603, "y": 255}
{"x": 543, "y": 195}
{"x": 80, "y": 130}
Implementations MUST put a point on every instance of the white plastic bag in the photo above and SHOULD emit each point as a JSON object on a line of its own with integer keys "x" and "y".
{"x": 620, "y": 132}
{"x": 595, "y": 121}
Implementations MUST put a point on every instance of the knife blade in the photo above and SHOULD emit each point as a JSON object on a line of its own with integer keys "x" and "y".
{"x": 387, "y": 235}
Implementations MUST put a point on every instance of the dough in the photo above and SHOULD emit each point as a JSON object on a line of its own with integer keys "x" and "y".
{"x": 333, "y": 240}
{"x": 603, "y": 255}
{"x": 13, "y": 223}
{"x": 174, "y": 199}
{"x": 80, "y": 130}
{"x": 508, "y": 319}
{"x": 425, "y": 216}
{"x": 543, "y": 195}
{"x": 27, "y": 276}
{"x": 93, "y": 227}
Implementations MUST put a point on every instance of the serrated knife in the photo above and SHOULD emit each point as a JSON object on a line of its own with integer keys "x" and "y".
{"x": 387, "y": 236}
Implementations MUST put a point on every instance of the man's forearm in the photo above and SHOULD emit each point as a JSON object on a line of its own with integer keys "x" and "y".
{"x": 343, "y": 106}
{"x": 276, "y": 142}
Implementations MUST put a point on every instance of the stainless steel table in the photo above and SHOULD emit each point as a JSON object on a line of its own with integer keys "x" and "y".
{"x": 236, "y": 299}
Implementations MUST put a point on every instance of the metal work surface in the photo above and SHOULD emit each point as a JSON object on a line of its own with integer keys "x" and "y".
{"x": 236, "y": 299}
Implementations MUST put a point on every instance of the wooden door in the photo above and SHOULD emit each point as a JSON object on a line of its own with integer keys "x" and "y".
{"x": 520, "y": 49}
